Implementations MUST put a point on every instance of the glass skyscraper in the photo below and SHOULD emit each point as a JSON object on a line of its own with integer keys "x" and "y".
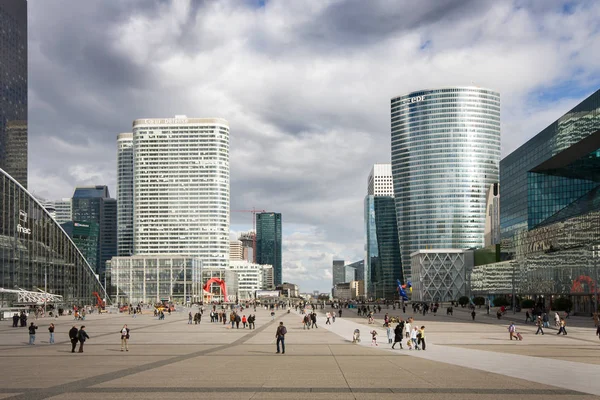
{"x": 93, "y": 204}
{"x": 125, "y": 194}
{"x": 445, "y": 154}
{"x": 13, "y": 89}
{"x": 268, "y": 243}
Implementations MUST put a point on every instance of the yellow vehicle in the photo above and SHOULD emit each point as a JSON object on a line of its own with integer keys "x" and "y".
{"x": 164, "y": 307}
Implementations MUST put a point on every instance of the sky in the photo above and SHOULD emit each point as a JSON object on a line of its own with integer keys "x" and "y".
{"x": 305, "y": 85}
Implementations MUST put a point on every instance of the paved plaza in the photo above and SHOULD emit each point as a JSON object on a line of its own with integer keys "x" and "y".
{"x": 171, "y": 359}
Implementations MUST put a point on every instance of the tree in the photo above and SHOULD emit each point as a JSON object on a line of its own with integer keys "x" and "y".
{"x": 527, "y": 303}
{"x": 501, "y": 301}
{"x": 562, "y": 304}
{"x": 463, "y": 300}
{"x": 479, "y": 301}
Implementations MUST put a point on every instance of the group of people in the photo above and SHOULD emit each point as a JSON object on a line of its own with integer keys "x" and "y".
{"x": 415, "y": 336}
{"x": 16, "y": 318}
{"x": 235, "y": 319}
{"x": 310, "y": 320}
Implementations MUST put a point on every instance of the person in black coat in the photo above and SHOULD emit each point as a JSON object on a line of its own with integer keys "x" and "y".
{"x": 82, "y": 336}
{"x": 15, "y": 320}
{"x": 398, "y": 334}
{"x": 73, "y": 335}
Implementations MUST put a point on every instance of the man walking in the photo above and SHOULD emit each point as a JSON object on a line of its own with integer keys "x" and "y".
{"x": 313, "y": 318}
{"x": 32, "y": 329}
{"x": 540, "y": 325}
{"x": 51, "y": 331}
{"x": 82, "y": 336}
{"x": 280, "y": 335}
{"x": 73, "y": 335}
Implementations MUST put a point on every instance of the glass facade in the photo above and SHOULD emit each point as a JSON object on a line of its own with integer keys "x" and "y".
{"x": 445, "y": 154}
{"x": 85, "y": 235}
{"x": 35, "y": 253}
{"x": 151, "y": 279}
{"x": 93, "y": 204}
{"x": 268, "y": 243}
{"x": 383, "y": 265}
{"x": 125, "y": 194}
{"x": 13, "y": 89}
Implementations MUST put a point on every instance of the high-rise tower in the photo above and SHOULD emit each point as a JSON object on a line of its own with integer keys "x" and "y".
{"x": 181, "y": 188}
{"x": 13, "y": 86}
{"x": 268, "y": 243}
{"x": 445, "y": 154}
{"x": 125, "y": 194}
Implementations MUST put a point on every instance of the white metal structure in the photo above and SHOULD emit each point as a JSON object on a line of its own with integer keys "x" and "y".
{"x": 29, "y": 297}
{"x": 380, "y": 182}
{"x": 440, "y": 274}
{"x": 125, "y": 194}
{"x": 181, "y": 188}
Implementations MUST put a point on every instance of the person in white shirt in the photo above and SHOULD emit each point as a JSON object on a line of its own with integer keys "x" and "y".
{"x": 413, "y": 337}
{"x": 407, "y": 329}
{"x": 124, "y": 338}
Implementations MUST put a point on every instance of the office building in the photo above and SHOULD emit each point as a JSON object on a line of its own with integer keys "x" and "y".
{"x": 236, "y": 252}
{"x": 219, "y": 284}
{"x": 383, "y": 265}
{"x": 338, "y": 272}
{"x": 125, "y": 194}
{"x": 155, "y": 278}
{"x": 93, "y": 204}
{"x": 550, "y": 213}
{"x": 86, "y": 236}
{"x": 36, "y": 254}
{"x": 349, "y": 273}
{"x": 268, "y": 243}
{"x": 492, "y": 217}
{"x": 181, "y": 188}
{"x": 250, "y": 278}
{"x": 359, "y": 268}
{"x": 288, "y": 290}
{"x": 441, "y": 274}
{"x": 62, "y": 210}
{"x": 445, "y": 155}
{"x": 13, "y": 89}
{"x": 380, "y": 181}
{"x": 247, "y": 239}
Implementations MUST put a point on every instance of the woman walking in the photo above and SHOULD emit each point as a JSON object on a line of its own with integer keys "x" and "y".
{"x": 124, "y": 338}
{"x": 51, "y": 331}
{"x": 390, "y": 335}
{"x": 397, "y": 336}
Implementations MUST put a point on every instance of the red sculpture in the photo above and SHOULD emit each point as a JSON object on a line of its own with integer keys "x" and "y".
{"x": 221, "y": 283}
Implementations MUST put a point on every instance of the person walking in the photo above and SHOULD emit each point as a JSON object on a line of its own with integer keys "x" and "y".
{"x": 473, "y": 314}
{"x": 408, "y": 328}
{"x": 556, "y": 320}
{"x": 598, "y": 331}
{"x": 244, "y": 321}
{"x": 280, "y": 335}
{"x": 421, "y": 337}
{"x": 540, "y": 324}
{"x": 313, "y": 318}
{"x": 82, "y": 336}
{"x": 15, "y": 318}
{"x": 562, "y": 329}
{"x": 390, "y": 334}
{"x": 32, "y": 328}
{"x": 512, "y": 330}
{"x": 125, "y": 337}
{"x": 190, "y": 318}
{"x": 545, "y": 321}
{"x": 413, "y": 338}
{"x": 398, "y": 335}
{"x": 74, "y": 337}
{"x": 328, "y": 315}
{"x": 51, "y": 332}
{"x": 340, "y": 313}
{"x": 374, "y": 338}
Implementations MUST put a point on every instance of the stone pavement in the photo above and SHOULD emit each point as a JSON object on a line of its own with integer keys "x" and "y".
{"x": 169, "y": 359}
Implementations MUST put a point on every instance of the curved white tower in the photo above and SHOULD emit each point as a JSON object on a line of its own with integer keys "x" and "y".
{"x": 445, "y": 155}
{"x": 181, "y": 188}
{"x": 125, "y": 194}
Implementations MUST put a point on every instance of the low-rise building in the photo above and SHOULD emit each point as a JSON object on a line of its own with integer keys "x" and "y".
{"x": 250, "y": 276}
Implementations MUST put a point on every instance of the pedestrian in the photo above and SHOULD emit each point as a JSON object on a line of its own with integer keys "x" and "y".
{"x": 374, "y": 338}
{"x": 408, "y": 328}
{"x": 15, "y": 320}
{"x": 313, "y": 318}
{"x": 340, "y": 313}
{"x": 125, "y": 337}
{"x": 540, "y": 324}
{"x": 82, "y": 336}
{"x": 328, "y": 315}
{"x": 237, "y": 321}
{"x": 598, "y": 331}
{"x": 413, "y": 338}
{"x": 545, "y": 321}
{"x": 190, "y": 318}
{"x": 244, "y": 321}
{"x": 512, "y": 331}
{"x": 280, "y": 335}
{"x": 32, "y": 328}
{"x": 73, "y": 335}
{"x": 562, "y": 329}
{"x": 398, "y": 334}
{"x": 389, "y": 334}
{"x": 473, "y": 314}
{"x": 51, "y": 331}
{"x": 421, "y": 337}
{"x": 527, "y": 316}
{"x": 556, "y": 320}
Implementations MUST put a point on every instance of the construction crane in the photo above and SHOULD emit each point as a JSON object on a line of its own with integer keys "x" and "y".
{"x": 253, "y": 211}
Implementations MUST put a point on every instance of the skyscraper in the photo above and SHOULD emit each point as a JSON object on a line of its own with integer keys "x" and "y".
{"x": 380, "y": 182}
{"x": 62, "y": 210}
{"x": 338, "y": 272}
{"x": 13, "y": 86}
{"x": 125, "y": 194}
{"x": 93, "y": 204}
{"x": 181, "y": 188}
{"x": 268, "y": 243}
{"x": 445, "y": 154}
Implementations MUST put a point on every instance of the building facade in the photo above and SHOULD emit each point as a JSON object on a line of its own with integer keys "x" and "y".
{"x": 445, "y": 154}
{"x": 383, "y": 264}
{"x": 338, "y": 272}
{"x": 13, "y": 89}
{"x": 36, "y": 254}
{"x": 236, "y": 250}
{"x": 250, "y": 277}
{"x": 359, "y": 268}
{"x": 380, "y": 181}
{"x": 441, "y": 274}
{"x": 93, "y": 204}
{"x": 181, "y": 188}
{"x": 62, "y": 210}
{"x": 154, "y": 278}
{"x": 86, "y": 236}
{"x": 491, "y": 234}
{"x": 125, "y": 194}
{"x": 550, "y": 214}
{"x": 268, "y": 243}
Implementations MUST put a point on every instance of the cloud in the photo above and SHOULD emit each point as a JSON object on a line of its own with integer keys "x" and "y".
{"x": 304, "y": 84}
